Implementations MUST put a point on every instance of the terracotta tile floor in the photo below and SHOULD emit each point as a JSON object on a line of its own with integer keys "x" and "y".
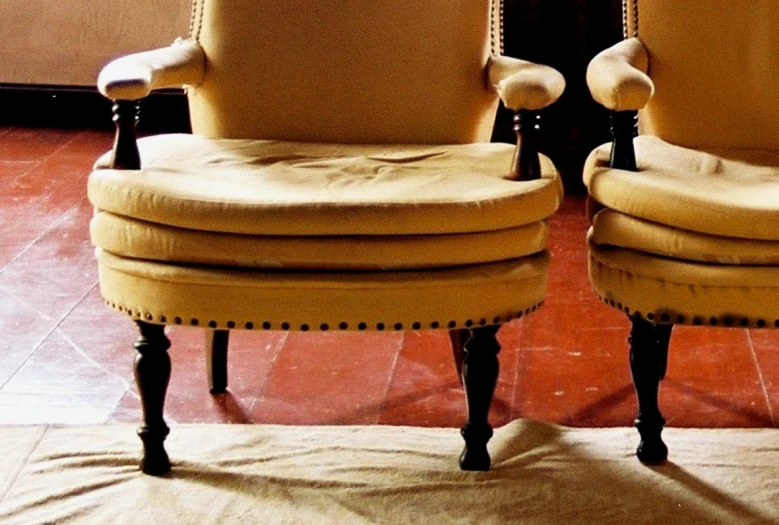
{"x": 66, "y": 358}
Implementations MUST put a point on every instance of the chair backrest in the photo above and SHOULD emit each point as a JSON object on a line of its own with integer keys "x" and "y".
{"x": 715, "y": 65}
{"x": 379, "y": 71}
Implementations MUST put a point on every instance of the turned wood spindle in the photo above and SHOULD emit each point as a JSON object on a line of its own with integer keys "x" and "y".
{"x": 526, "y": 165}
{"x": 624, "y": 127}
{"x": 125, "y": 154}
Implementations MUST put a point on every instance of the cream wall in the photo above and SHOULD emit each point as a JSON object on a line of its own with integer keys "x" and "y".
{"x": 66, "y": 42}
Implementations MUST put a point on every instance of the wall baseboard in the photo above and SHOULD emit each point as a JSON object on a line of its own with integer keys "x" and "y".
{"x": 79, "y": 107}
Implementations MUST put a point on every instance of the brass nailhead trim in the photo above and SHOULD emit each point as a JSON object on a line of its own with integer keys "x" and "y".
{"x": 267, "y": 325}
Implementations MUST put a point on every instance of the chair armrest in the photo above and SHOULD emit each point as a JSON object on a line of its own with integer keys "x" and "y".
{"x": 134, "y": 76}
{"x": 524, "y": 85}
{"x": 617, "y": 77}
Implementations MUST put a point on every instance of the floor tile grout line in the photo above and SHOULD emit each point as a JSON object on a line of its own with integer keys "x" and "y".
{"x": 513, "y": 414}
{"x": 64, "y": 215}
{"x": 383, "y": 405}
{"x": 48, "y": 334}
{"x": 760, "y": 376}
{"x": 255, "y": 399}
{"x": 64, "y": 145}
{"x": 23, "y": 462}
{"x": 91, "y": 361}
{"x": 52, "y": 227}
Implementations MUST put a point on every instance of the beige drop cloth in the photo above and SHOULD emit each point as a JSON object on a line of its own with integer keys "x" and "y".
{"x": 378, "y": 474}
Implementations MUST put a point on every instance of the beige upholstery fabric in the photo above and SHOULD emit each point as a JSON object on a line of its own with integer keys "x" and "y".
{"x": 691, "y": 190}
{"x": 277, "y": 188}
{"x": 405, "y": 71}
{"x": 714, "y": 66}
{"x": 146, "y": 240}
{"x": 524, "y": 85}
{"x": 683, "y": 292}
{"x": 232, "y": 298}
{"x": 331, "y": 141}
{"x": 617, "y": 76}
{"x": 134, "y": 76}
{"x": 612, "y": 228}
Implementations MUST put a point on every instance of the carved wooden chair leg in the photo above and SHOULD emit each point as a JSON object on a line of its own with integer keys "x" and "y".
{"x": 458, "y": 339}
{"x": 480, "y": 373}
{"x": 152, "y": 373}
{"x": 216, "y": 359}
{"x": 648, "y": 360}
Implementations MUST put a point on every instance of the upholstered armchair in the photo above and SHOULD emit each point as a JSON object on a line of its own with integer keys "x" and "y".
{"x": 685, "y": 213}
{"x": 339, "y": 177}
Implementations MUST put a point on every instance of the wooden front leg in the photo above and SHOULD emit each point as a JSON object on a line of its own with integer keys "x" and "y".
{"x": 480, "y": 374}
{"x": 152, "y": 374}
{"x": 648, "y": 362}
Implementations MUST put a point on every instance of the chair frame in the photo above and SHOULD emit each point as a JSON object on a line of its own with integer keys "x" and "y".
{"x": 475, "y": 350}
{"x": 649, "y": 338}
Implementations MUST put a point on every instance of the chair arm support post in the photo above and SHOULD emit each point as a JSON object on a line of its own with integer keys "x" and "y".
{"x": 125, "y": 154}
{"x": 526, "y": 165}
{"x": 624, "y": 126}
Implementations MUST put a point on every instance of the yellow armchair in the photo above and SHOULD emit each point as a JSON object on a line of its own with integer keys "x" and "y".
{"x": 685, "y": 222}
{"x": 339, "y": 177}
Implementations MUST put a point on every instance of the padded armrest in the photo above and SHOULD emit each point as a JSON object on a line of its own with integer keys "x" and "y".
{"x": 617, "y": 77}
{"x": 134, "y": 76}
{"x": 524, "y": 85}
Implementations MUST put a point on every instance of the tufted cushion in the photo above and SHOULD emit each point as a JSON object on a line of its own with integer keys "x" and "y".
{"x": 684, "y": 292}
{"x": 612, "y": 228}
{"x": 692, "y": 190}
{"x": 283, "y": 188}
{"x": 145, "y": 240}
{"x": 233, "y": 298}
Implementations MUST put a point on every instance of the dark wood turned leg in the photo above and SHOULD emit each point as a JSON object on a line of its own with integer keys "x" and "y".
{"x": 152, "y": 373}
{"x": 648, "y": 360}
{"x": 480, "y": 373}
{"x": 458, "y": 339}
{"x": 216, "y": 359}
{"x": 125, "y": 155}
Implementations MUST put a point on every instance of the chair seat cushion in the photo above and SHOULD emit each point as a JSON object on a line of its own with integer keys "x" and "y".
{"x": 612, "y": 228}
{"x": 685, "y": 292}
{"x": 291, "y": 189}
{"x": 146, "y": 240}
{"x": 229, "y": 298}
{"x": 692, "y": 190}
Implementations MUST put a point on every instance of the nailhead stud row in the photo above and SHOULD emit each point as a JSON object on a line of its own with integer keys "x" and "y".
{"x": 728, "y": 320}
{"x": 267, "y": 325}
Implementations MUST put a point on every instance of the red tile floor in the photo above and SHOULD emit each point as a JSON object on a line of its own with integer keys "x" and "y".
{"x": 66, "y": 358}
